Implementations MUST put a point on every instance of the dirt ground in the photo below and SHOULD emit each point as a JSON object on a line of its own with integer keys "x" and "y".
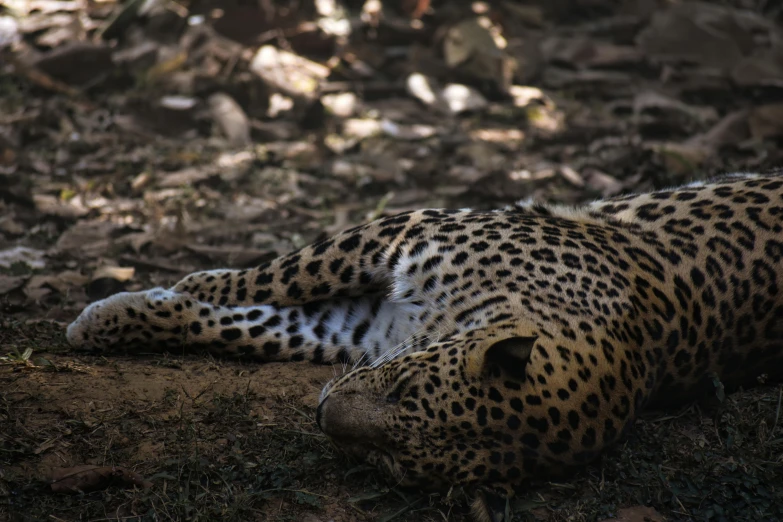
{"x": 231, "y": 441}
{"x": 139, "y": 143}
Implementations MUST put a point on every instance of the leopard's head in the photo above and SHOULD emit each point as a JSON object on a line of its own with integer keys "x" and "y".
{"x": 486, "y": 409}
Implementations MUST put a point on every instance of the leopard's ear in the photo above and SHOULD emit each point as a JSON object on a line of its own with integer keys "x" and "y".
{"x": 496, "y": 356}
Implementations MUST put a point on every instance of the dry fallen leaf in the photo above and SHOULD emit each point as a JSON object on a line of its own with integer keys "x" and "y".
{"x": 586, "y": 52}
{"x": 571, "y": 175}
{"x": 731, "y": 129}
{"x": 766, "y": 121}
{"x": 524, "y": 95}
{"x": 40, "y": 285}
{"x": 22, "y": 255}
{"x": 468, "y": 38}
{"x": 288, "y": 72}
{"x": 461, "y": 98}
{"x": 9, "y": 283}
{"x": 475, "y": 47}
{"x": 76, "y": 63}
{"x": 87, "y": 237}
{"x": 702, "y": 33}
{"x": 482, "y": 155}
{"x": 231, "y": 119}
{"x": 647, "y": 100}
{"x": 108, "y": 280}
{"x": 9, "y": 31}
{"x": 682, "y": 158}
{"x": 54, "y": 206}
{"x": 424, "y": 89}
{"x": 607, "y": 185}
{"x": 763, "y": 67}
{"x": 120, "y": 273}
{"x": 344, "y": 104}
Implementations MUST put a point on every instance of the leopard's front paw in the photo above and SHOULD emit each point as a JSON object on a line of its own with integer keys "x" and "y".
{"x": 153, "y": 318}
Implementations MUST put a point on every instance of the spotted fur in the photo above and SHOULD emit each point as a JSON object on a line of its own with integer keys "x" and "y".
{"x": 500, "y": 345}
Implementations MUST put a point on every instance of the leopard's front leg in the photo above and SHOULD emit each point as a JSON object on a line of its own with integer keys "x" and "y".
{"x": 337, "y": 330}
{"x": 323, "y": 303}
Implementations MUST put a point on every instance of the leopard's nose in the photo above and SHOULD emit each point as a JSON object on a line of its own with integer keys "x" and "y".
{"x": 348, "y": 418}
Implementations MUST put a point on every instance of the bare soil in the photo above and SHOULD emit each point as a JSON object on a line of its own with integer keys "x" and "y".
{"x": 232, "y": 441}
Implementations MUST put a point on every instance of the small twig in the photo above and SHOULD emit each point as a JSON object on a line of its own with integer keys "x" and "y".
{"x": 302, "y": 491}
{"x": 316, "y": 435}
{"x": 307, "y": 417}
{"x": 40, "y": 78}
{"x": 777, "y": 413}
{"x": 129, "y": 517}
{"x": 202, "y": 392}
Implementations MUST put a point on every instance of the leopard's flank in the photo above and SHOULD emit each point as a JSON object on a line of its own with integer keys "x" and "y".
{"x": 495, "y": 346}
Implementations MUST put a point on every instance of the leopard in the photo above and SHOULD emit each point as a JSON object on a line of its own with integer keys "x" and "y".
{"x": 487, "y": 348}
